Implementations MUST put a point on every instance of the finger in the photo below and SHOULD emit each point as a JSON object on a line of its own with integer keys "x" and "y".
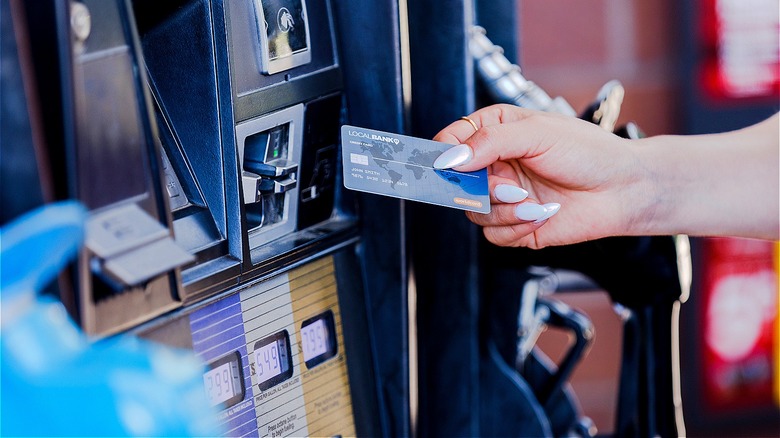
{"x": 521, "y": 212}
{"x": 503, "y": 214}
{"x": 521, "y": 235}
{"x": 456, "y": 132}
{"x": 497, "y": 143}
{"x": 503, "y": 169}
{"x": 505, "y": 190}
{"x": 500, "y": 215}
{"x": 460, "y": 130}
{"x": 500, "y": 114}
{"x": 508, "y": 133}
{"x": 496, "y": 137}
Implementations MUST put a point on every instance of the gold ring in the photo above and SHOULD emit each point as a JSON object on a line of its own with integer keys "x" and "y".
{"x": 471, "y": 122}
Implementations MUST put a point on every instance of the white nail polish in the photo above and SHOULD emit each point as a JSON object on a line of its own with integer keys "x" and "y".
{"x": 509, "y": 193}
{"x": 454, "y": 156}
{"x": 529, "y": 211}
{"x": 551, "y": 208}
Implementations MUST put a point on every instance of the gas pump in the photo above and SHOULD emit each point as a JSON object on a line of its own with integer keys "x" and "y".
{"x": 202, "y": 137}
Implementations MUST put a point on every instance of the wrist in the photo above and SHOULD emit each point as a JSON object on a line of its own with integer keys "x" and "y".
{"x": 650, "y": 195}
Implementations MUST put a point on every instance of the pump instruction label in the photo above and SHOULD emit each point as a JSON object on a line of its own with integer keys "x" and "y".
{"x": 400, "y": 166}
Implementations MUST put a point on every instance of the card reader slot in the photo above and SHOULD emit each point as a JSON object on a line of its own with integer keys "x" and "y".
{"x": 271, "y": 169}
{"x": 269, "y": 153}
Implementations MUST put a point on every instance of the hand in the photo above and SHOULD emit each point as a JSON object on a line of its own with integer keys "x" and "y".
{"x": 591, "y": 173}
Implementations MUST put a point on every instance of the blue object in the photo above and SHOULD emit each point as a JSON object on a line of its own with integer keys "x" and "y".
{"x": 54, "y": 380}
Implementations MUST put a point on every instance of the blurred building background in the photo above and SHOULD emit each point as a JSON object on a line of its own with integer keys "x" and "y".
{"x": 571, "y": 48}
{"x": 690, "y": 66}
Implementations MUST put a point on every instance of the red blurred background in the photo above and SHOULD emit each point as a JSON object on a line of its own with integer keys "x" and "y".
{"x": 688, "y": 67}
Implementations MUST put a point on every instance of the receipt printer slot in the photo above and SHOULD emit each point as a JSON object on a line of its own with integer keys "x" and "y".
{"x": 130, "y": 247}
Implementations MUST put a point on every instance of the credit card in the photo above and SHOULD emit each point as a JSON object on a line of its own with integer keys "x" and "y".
{"x": 400, "y": 166}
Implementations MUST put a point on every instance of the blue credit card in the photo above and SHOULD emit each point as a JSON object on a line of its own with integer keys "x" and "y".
{"x": 402, "y": 167}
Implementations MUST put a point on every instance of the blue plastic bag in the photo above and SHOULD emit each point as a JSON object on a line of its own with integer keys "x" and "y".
{"x": 53, "y": 380}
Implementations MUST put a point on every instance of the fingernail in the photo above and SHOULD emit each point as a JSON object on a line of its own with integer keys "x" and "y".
{"x": 529, "y": 211}
{"x": 454, "y": 156}
{"x": 509, "y": 193}
{"x": 551, "y": 208}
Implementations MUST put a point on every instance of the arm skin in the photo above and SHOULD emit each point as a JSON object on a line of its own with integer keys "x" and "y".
{"x": 709, "y": 185}
{"x": 715, "y": 185}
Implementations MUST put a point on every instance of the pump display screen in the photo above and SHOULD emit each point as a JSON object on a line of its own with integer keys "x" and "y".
{"x": 224, "y": 381}
{"x": 219, "y": 384}
{"x": 318, "y": 339}
{"x": 268, "y": 361}
{"x": 285, "y": 26}
{"x": 273, "y": 360}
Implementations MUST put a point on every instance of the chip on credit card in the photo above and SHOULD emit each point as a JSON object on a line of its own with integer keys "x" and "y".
{"x": 401, "y": 166}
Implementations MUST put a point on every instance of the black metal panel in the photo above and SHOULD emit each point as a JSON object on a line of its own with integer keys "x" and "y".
{"x": 501, "y": 20}
{"x": 99, "y": 147}
{"x": 183, "y": 75}
{"x": 96, "y": 118}
{"x": 362, "y": 376}
{"x": 46, "y": 25}
{"x": 368, "y": 41}
{"x": 319, "y": 164}
{"x": 20, "y": 184}
{"x": 442, "y": 243}
{"x": 255, "y": 93}
{"x": 244, "y": 43}
{"x": 189, "y": 77}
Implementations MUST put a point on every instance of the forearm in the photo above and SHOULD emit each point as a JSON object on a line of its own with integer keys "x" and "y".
{"x": 713, "y": 185}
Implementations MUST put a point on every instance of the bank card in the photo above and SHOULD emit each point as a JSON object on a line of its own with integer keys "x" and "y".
{"x": 401, "y": 166}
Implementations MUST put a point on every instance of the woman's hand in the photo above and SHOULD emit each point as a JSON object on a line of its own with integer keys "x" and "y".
{"x": 563, "y": 163}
